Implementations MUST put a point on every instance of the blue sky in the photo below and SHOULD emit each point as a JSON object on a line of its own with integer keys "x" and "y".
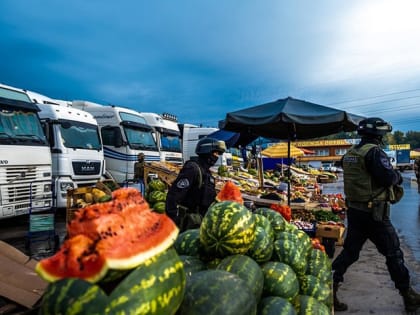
{"x": 201, "y": 59}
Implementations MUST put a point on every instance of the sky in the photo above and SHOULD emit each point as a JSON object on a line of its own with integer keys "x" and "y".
{"x": 199, "y": 59}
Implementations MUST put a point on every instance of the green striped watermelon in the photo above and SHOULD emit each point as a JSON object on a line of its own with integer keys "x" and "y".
{"x": 155, "y": 287}
{"x": 73, "y": 296}
{"x": 308, "y": 305}
{"x": 192, "y": 264}
{"x": 216, "y": 292}
{"x": 319, "y": 265}
{"x": 275, "y": 305}
{"x": 289, "y": 252}
{"x": 247, "y": 269}
{"x": 227, "y": 228}
{"x": 263, "y": 222}
{"x": 156, "y": 196}
{"x": 262, "y": 247}
{"x": 312, "y": 286}
{"x": 279, "y": 280}
{"x": 156, "y": 185}
{"x": 304, "y": 240}
{"x": 278, "y": 222}
{"x": 188, "y": 242}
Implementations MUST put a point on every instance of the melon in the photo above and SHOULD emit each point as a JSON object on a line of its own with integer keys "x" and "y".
{"x": 115, "y": 235}
{"x": 230, "y": 192}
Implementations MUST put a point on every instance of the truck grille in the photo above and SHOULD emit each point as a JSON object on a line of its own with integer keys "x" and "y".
{"x": 87, "y": 168}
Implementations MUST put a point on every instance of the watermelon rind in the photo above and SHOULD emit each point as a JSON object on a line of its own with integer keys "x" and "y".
{"x": 72, "y": 296}
{"x": 275, "y": 305}
{"x": 155, "y": 287}
{"x": 227, "y": 228}
{"x": 305, "y": 305}
{"x": 215, "y": 292}
{"x": 279, "y": 280}
{"x": 188, "y": 242}
{"x": 247, "y": 269}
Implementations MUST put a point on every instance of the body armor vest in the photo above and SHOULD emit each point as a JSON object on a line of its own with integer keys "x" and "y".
{"x": 358, "y": 183}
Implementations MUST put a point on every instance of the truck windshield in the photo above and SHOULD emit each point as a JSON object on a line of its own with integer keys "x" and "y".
{"x": 170, "y": 142}
{"x": 140, "y": 139}
{"x": 79, "y": 135}
{"x": 21, "y": 127}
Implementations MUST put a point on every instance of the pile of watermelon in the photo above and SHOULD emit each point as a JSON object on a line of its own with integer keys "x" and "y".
{"x": 121, "y": 257}
{"x": 274, "y": 264}
{"x": 156, "y": 195}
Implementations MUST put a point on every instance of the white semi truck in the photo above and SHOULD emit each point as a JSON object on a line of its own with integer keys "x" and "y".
{"x": 25, "y": 160}
{"x": 75, "y": 143}
{"x": 168, "y": 136}
{"x": 125, "y": 133}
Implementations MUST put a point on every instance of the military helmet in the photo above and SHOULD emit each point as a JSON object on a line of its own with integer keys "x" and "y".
{"x": 208, "y": 145}
{"x": 373, "y": 126}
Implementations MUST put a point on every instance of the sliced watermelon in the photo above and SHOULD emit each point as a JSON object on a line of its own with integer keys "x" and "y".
{"x": 120, "y": 234}
{"x": 230, "y": 192}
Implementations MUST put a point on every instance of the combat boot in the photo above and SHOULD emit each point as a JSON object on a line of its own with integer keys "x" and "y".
{"x": 338, "y": 306}
{"x": 411, "y": 299}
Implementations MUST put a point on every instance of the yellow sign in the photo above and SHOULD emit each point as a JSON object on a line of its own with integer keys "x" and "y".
{"x": 321, "y": 143}
{"x": 399, "y": 146}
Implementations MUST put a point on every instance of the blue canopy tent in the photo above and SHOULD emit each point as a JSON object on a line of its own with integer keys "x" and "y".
{"x": 232, "y": 139}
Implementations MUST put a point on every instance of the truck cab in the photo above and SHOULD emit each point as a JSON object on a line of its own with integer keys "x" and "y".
{"x": 25, "y": 161}
{"x": 75, "y": 144}
{"x": 125, "y": 133}
{"x": 168, "y": 136}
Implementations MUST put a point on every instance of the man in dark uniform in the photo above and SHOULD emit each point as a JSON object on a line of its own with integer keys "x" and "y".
{"x": 368, "y": 179}
{"x": 193, "y": 191}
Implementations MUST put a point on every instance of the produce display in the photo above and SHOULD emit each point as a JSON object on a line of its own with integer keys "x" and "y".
{"x": 124, "y": 257}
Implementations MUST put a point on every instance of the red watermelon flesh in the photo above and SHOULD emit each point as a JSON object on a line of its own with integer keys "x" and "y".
{"x": 120, "y": 234}
{"x": 230, "y": 192}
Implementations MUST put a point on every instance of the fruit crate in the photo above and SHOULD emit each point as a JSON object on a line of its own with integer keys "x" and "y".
{"x": 330, "y": 231}
{"x": 73, "y": 195}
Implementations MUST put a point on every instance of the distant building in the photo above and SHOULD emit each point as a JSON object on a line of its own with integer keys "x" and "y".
{"x": 324, "y": 150}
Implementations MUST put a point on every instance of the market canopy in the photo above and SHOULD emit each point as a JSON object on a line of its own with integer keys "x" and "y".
{"x": 280, "y": 150}
{"x": 290, "y": 119}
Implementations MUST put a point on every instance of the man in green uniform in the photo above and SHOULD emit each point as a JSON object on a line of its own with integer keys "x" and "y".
{"x": 368, "y": 181}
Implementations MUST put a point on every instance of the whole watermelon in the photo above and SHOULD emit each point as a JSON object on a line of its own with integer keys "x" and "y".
{"x": 192, "y": 264}
{"x": 280, "y": 280}
{"x": 275, "y": 305}
{"x": 313, "y": 286}
{"x": 247, "y": 269}
{"x": 227, "y": 228}
{"x": 156, "y": 185}
{"x": 278, "y": 222}
{"x": 215, "y": 292}
{"x": 262, "y": 247}
{"x": 188, "y": 242}
{"x": 305, "y": 304}
{"x": 156, "y": 196}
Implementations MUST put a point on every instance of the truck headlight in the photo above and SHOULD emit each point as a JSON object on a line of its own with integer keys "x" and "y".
{"x": 64, "y": 186}
{"x": 47, "y": 188}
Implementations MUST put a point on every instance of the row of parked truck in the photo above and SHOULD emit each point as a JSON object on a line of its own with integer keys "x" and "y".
{"x": 49, "y": 146}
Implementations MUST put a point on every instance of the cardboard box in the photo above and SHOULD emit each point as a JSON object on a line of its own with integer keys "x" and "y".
{"x": 330, "y": 231}
{"x": 18, "y": 280}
